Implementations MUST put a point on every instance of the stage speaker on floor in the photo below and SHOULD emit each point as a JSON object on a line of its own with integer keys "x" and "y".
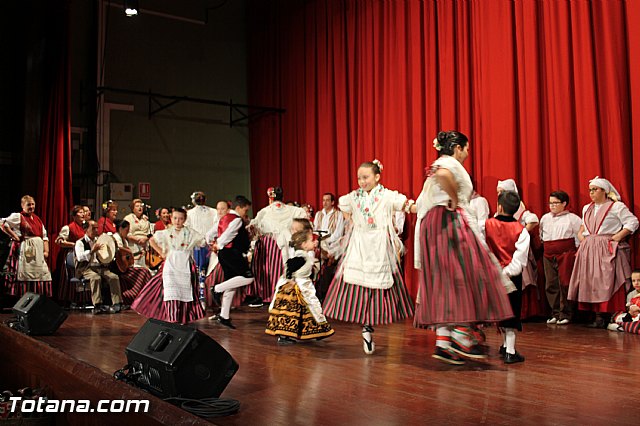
{"x": 172, "y": 360}
{"x": 37, "y": 315}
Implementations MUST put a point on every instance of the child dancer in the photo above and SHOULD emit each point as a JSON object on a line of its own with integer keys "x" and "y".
{"x": 295, "y": 309}
{"x": 509, "y": 242}
{"x": 460, "y": 283}
{"x": 172, "y": 294}
{"x": 368, "y": 288}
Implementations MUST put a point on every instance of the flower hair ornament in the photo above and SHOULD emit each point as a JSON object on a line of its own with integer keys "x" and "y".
{"x": 378, "y": 163}
{"x": 271, "y": 192}
{"x": 436, "y": 144}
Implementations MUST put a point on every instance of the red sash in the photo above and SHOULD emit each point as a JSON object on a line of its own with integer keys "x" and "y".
{"x": 564, "y": 251}
{"x": 30, "y": 225}
{"x": 105, "y": 225}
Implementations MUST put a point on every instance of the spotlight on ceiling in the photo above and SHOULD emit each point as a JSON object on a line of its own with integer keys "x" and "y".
{"x": 130, "y": 7}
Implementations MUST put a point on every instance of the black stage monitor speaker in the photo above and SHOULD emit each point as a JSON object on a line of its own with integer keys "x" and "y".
{"x": 172, "y": 360}
{"x": 37, "y": 315}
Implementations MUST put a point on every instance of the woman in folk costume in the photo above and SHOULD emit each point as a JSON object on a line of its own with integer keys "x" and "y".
{"x": 172, "y": 294}
{"x": 66, "y": 239}
{"x": 602, "y": 271}
{"x": 106, "y": 222}
{"x": 139, "y": 231}
{"x": 533, "y": 303}
{"x": 272, "y": 225}
{"x": 27, "y": 268}
{"x": 134, "y": 278}
{"x": 461, "y": 283}
{"x": 295, "y": 311}
{"x": 368, "y": 288}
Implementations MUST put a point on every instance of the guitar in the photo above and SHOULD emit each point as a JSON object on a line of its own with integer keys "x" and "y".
{"x": 124, "y": 259}
{"x": 153, "y": 259}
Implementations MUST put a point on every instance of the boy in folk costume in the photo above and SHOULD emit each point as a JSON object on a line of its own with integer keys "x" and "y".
{"x": 232, "y": 246}
{"x": 558, "y": 233}
{"x": 509, "y": 242}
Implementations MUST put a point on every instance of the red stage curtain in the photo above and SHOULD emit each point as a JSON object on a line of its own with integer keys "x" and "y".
{"x": 546, "y": 91}
{"x": 53, "y": 196}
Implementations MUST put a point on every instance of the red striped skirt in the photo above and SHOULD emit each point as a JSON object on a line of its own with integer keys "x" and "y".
{"x": 150, "y": 302}
{"x": 14, "y": 287}
{"x": 364, "y": 305}
{"x": 267, "y": 267}
{"x": 459, "y": 283}
{"x": 132, "y": 281}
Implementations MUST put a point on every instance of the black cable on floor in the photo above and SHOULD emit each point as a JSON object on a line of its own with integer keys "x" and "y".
{"x": 207, "y": 407}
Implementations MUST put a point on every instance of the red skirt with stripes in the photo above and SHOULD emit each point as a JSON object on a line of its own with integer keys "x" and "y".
{"x": 14, "y": 287}
{"x": 150, "y": 302}
{"x": 132, "y": 281}
{"x": 267, "y": 267}
{"x": 460, "y": 283}
{"x": 364, "y": 305}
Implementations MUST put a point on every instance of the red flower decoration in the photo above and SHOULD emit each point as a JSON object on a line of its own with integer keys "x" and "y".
{"x": 375, "y": 199}
{"x": 366, "y": 209}
{"x": 358, "y": 205}
{"x": 370, "y": 220}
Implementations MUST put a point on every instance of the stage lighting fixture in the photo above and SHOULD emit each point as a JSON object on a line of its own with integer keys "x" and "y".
{"x": 131, "y": 7}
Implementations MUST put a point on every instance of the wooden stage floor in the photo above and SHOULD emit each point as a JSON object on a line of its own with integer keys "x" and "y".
{"x": 572, "y": 374}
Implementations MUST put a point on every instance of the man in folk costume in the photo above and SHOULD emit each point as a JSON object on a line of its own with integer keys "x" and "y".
{"x": 201, "y": 218}
{"x": 602, "y": 272}
{"x": 558, "y": 232}
{"x": 87, "y": 251}
{"x": 27, "y": 262}
{"x": 272, "y": 225}
{"x": 232, "y": 246}
{"x": 329, "y": 223}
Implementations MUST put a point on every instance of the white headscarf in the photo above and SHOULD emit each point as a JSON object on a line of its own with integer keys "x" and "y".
{"x": 611, "y": 190}
{"x": 508, "y": 185}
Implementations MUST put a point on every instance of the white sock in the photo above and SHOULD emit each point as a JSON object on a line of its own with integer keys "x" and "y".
{"x": 227, "y": 299}
{"x": 232, "y": 283}
{"x": 510, "y": 340}
{"x": 366, "y": 335}
{"x": 443, "y": 336}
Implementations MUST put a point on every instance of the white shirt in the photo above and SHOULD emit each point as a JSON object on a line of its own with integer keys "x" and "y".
{"x": 520, "y": 257}
{"x": 560, "y": 227}
{"x": 323, "y": 225}
{"x": 13, "y": 220}
{"x": 618, "y": 217}
{"x": 201, "y": 219}
{"x": 83, "y": 255}
{"x": 232, "y": 230}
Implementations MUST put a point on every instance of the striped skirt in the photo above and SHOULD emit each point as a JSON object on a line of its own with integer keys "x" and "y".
{"x": 132, "y": 281}
{"x": 14, "y": 287}
{"x": 291, "y": 317}
{"x": 362, "y": 305}
{"x": 460, "y": 283}
{"x": 267, "y": 267}
{"x": 150, "y": 302}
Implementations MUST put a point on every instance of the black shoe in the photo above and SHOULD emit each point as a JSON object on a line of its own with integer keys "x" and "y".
{"x": 448, "y": 356}
{"x": 502, "y": 351}
{"x": 285, "y": 340}
{"x": 226, "y": 322}
{"x": 256, "y": 302}
{"x": 473, "y": 351}
{"x": 217, "y": 299}
{"x": 248, "y": 274}
{"x": 118, "y": 307}
{"x": 513, "y": 358}
{"x": 99, "y": 309}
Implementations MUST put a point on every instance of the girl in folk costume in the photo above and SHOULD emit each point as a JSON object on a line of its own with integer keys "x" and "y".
{"x": 368, "y": 288}
{"x": 139, "y": 231}
{"x": 106, "y": 222}
{"x": 295, "y": 310}
{"x": 133, "y": 278}
{"x": 602, "y": 272}
{"x": 172, "y": 294}
{"x": 272, "y": 225}
{"x": 66, "y": 239}
{"x": 559, "y": 235}
{"x": 27, "y": 268}
{"x": 532, "y": 297}
{"x": 461, "y": 283}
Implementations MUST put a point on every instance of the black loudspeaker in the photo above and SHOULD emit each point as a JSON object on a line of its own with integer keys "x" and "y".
{"x": 37, "y": 315}
{"x": 172, "y": 360}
